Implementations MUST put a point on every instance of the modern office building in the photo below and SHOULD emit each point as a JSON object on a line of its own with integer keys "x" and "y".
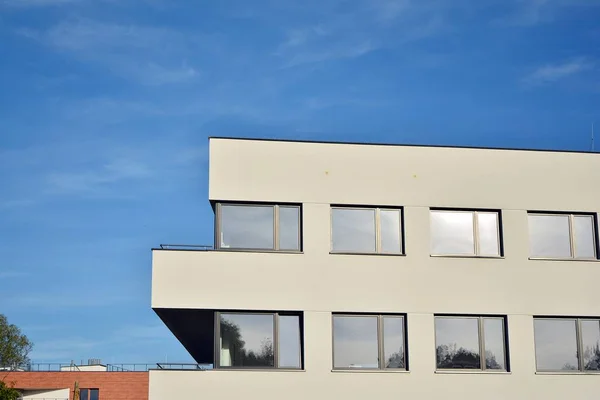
{"x": 359, "y": 271}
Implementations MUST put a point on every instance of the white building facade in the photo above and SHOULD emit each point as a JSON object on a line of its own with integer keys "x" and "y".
{"x": 360, "y": 271}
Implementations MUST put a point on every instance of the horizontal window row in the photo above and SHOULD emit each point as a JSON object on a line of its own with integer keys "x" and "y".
{"x": 380, "y": 342}
{"x": 380, "y": 230}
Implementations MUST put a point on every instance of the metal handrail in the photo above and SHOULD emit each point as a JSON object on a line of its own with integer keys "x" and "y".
{"x": 132, "y": 367}
{"x": 198, "y": 247}
{"x": 184, "y": 366}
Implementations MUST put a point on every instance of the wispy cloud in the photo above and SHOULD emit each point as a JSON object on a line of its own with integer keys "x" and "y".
{"x": 550, "y": 73}
{"x": 389, "y": 10}
{"x": 534, "y": 12}
{"x": 75, "y": 347}
{"x": 37, "y": 3}
{"x": 65, "y": 300}
{"x": 345, "y": 51}
{"x": 371, "y": 26}
{"x": 99, "y": 169}
{"x": 113, "y": 178}
{"x": 97, "y": 181}
{"x": 62, "y": 349}
{"x": 145, "y": 54}
{"x": 7, "y": 274}
{"x": 16, "y": 203}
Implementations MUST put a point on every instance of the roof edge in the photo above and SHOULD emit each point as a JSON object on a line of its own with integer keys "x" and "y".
{"x": 258, "y": 139}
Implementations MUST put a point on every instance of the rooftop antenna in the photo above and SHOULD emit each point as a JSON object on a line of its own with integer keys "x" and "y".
{"x": 593, "y": 137}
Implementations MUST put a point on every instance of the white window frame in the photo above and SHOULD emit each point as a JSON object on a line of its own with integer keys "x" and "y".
{"x": 476, "y": 244}
{"x": 276, "y": 228}
{"x": 572, "y": 243}
{"x": 377, "y": 210}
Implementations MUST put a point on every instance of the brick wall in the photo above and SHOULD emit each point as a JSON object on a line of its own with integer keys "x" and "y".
{"x": 112, "y": 385}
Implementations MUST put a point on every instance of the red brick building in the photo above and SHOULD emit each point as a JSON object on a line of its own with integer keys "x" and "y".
{"x": 94, "y": 385}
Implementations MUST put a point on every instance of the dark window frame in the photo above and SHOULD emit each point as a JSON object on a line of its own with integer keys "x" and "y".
{"x": 571, "y": 215}
{"x": 276, "y": 315}
{"x": 579, "y": 344}
{"x": 276, "y": 228}
{"x": 481, "y": 345}
{"x": 377, "y": 209}
{"x": 476, "y": 239}
{"x": 380, "y": 341}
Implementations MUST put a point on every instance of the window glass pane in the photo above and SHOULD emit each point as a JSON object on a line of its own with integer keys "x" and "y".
{"x": 487, "y": 224}
{"x": 353, "y": 230}
{"x": 289, "y": 341}
{"x": 288, "y": 228}
{"x": 585, "y": 242}
{"x": 94, "y": 394}
{"x": 246, "y": 227}
{"x": 555, "y": 344}
{"x": 393, "y": 342}
{"x": 247, "y": 340}
{"x": 457, "y": 342}
{"x": 390, "y": 231}
{"x": 493, "y": 332}
{"x": 590, "y": 334}
{"x": 549, "y": 236}
{"x": 355, "y": 342}
{"x": 452, "y": 233}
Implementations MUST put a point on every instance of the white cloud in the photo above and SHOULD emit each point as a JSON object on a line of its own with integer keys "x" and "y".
{"x": 38, "y": 3}
{"x": 62, "y": 349}
{"x": 298, "y": 37}
{"x": 16, "y": 203}
{"x": 534, "y": 12}
{"x": 371, "y": 25}
{"x": 389, "y": 10}
{"x": 75, "y": 348}
{"x": 148, "y": 55}
{"x": 100, "y": 169}
{"x": 95, "y": 181}
{"x": 13, "y": 274}
{"x": 66, "y": 300}
{"x": 342, "y": 51}
{"x": 118, "y": 171}
{"x": 553, "y": 72}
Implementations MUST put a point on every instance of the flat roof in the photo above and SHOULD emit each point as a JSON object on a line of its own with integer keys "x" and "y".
{"x": 258, "y": 139}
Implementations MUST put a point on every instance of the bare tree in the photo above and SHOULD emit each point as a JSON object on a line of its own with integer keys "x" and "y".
{"x": 240, "y": 356}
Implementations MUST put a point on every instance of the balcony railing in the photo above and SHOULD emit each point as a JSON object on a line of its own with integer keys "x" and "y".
{"x": 63, "y": 367}
{"x": 44, "y": 398}
{"x": 201, "y": 367}
{"x": 189, "y": 247}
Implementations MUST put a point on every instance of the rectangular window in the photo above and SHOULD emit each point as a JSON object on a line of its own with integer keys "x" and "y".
{"x": 259, "y": 340}
{"x": 462, "y": 340}
{"x": 258, "y": 227}
{"x": 465, "y": 233}
{"x": 566, "y": 236}
{"x": 89, "y": 394}
{"x": 369, "y": 341}
{"x": 567, "y": 344}
{"x": 366, "y": 230}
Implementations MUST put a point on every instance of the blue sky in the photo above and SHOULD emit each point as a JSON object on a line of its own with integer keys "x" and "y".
{"x": 106, "y": 106}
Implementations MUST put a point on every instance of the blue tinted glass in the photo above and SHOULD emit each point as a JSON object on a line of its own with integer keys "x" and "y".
{"x": 94, "y": 394}
{"x": 84, "y": 394}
